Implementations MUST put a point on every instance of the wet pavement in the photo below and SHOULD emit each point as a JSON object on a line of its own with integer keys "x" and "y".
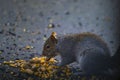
{"x": 24, "y": 24}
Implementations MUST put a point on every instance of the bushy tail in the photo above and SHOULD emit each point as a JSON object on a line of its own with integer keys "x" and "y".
{"x": 116, "y": 59}
{"x": 115, "y": 64}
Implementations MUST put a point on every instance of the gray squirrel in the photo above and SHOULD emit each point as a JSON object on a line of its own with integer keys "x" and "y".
{"x": 87, "y": 49}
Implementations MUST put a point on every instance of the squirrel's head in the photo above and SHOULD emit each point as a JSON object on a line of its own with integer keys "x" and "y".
{"x": 49, "y": 48}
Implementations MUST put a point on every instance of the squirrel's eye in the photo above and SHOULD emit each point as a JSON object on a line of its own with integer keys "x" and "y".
{"x": 47, "y": 46}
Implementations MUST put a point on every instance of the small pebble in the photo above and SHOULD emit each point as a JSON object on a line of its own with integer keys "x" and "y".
{"x": 51, "y": 25}
{"x": 2, "y": 58}
{"x": 44, "y": 38}
{"x": 80, "y": 24}
{"x": 24, "y": 30}
{"x": 29, "y": 47}
{"x": 67, "y": 13}
{"x": 11, "y": 33}
{"x": 11, "y": 72}
{"x": 0, "y": 52}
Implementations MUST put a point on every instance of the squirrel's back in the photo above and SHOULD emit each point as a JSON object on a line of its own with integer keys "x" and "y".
{"x": 83, "y": 40}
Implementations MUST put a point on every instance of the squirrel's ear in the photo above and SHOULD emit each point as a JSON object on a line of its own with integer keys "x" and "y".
{"x": 54, "y": 37}
{"x": 54, "y": 34}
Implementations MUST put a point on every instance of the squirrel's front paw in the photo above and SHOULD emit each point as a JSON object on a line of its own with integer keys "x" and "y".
{"x": 58, "y": 64}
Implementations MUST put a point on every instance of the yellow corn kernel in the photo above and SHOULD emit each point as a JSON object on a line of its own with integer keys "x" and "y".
{"x": 52, "y": 60}
{"x": 29, "y": 71}
{"x": 43, "y": 69}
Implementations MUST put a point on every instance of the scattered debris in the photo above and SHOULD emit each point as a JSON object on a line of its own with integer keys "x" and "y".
{"x": 97, "y": 18}
{"x": 67, "y": 13}
{"x": 11, "y": 33}
{"x": 1, "y": 31}
{"x": 51, "y": 25}
{"x": 1, "y": 51}
{"x": 41, "y": 67}
{"x": 24, "y": 30}
{"x": 45, "y": 38}
{"x": 80, "y": 24}
{"x": 28, "y": 47}
{"x": 36, "y": 32}
{"x": 58, "y": 25}
{"x": 2, "y": 58}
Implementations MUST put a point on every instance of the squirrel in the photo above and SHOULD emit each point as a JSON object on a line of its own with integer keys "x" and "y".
{"x": 87, "y": 49}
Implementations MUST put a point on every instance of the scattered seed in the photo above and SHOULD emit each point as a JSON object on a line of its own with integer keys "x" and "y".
{"x": 0, "y": 52}
{"x": 51, "y": 25}
{"x": 44, "y": 38}
{"x": 29, "y": 47}
{"x": 24, "y": 30}
{"x": 39, "y": 67}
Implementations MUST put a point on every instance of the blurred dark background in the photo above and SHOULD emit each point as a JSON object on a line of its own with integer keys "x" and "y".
{"x": 25, "y": 24}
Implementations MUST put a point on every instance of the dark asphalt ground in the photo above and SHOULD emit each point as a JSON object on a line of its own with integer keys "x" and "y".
{"x": 24, "y": 23}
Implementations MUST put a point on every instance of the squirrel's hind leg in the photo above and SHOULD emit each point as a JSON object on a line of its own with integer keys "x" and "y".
{"x": 93, "y": 61}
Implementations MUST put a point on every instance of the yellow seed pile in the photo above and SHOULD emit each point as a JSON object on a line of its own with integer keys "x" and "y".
{"x": 39, "y": 66}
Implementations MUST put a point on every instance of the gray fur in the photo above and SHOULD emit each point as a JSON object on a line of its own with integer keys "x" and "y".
{"x": 91, "y": 54}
